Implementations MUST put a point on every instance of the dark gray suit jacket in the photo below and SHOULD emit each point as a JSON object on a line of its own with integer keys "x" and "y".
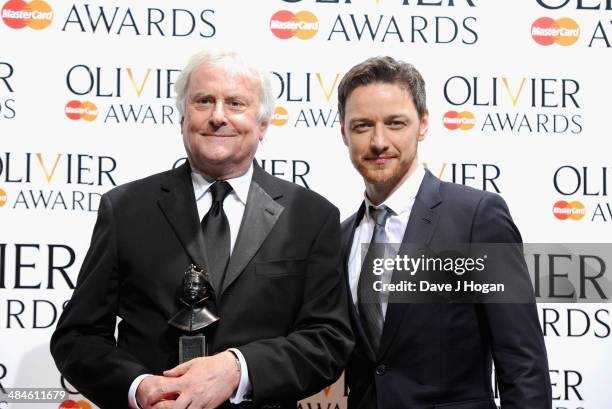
{"x": 440, "y": 355}
{"x": 282, "y": 301}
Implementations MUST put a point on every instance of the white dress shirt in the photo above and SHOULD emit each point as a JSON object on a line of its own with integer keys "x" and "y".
{"x": 400, "y": 205}
{"x": 233, "y": 206}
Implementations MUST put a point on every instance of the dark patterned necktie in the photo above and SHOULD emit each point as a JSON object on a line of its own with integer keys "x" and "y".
{"x": 217, "y": 233}
{"x": 369, "y": 301}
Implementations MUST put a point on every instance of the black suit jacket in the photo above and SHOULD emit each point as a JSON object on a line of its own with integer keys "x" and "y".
{"x": 439, "y": 355}
{"x": 282, "y": 301}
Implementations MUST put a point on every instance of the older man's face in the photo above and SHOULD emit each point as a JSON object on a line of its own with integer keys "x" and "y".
{"x": 220, "y": 128}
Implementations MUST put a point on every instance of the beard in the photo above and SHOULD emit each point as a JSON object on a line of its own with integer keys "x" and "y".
{"x": 380, "y": 175}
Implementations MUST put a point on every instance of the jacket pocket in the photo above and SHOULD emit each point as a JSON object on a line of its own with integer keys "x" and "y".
{"x": 280, "y": 268}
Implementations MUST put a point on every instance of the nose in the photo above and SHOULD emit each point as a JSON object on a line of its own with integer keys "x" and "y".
{"x": 378, "y": 141}
{"x": 217, "y": 117}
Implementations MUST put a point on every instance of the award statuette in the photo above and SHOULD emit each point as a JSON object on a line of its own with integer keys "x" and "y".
{"x": 194, "y": 316}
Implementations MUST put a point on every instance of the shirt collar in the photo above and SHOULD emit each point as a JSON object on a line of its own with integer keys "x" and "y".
{"x": 402, "y": 198}
{"x": 240, "y": 184}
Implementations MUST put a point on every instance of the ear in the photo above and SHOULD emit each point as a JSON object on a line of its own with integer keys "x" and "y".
{"x": 423, "y": 125}
{"x": 343, "y": 132}
{"x": 263, "y": 128}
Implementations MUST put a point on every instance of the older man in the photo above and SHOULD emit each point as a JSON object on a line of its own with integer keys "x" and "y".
{"x": 426, "y": 355}
{"x": 271, "y": 249}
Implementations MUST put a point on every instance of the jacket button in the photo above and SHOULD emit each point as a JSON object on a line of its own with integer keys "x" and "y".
{"x": 381, "y": 369}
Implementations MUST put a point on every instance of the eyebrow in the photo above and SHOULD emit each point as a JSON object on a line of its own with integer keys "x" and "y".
{"x": 398, "y": 116}
{"x": 387, "y": 118}
{"x": 201, "y": 94}
{"x": 359, "y": 119}
{"x": 208, "y": 94}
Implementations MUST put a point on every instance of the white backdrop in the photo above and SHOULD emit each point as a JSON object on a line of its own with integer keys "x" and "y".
{"x": 86, "y": 104}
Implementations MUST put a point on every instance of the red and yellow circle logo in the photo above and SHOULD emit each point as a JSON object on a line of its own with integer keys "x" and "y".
{"x": 81, "y": 110}
{"x": 3, "y": 198}
{"x": 573, "y": 210}
{"x": 454, "y": 120}
{"x": 70, "y": 404}
{"x": 285, "y": 24}
{"x": 18, "y": 14}
{"x": 546, "y": 31}
{"x": 280, "y": 116}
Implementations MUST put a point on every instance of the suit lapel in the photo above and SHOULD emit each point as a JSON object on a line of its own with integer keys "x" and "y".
{"x": 260, "y": 215}
{"x": 420, "y": 228}
{"x": 177, "y": 202}
{"x": 348, "y": 233}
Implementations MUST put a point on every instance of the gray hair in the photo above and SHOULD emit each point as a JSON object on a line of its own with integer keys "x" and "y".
{"x": 233, "y": 63}
{"x": 383, "y": 70}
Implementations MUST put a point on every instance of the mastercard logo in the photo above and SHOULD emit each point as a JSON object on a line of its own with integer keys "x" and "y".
{"x": 459, "y": 120}
{"x": 3, "y": 198}
{"x": 546, "y": 31}
{"x": 280, "y": 116}
{"x": 285, "y": 24}
{"x": 18, "y": 14}
{"x": 70, "y": 404}
{"x": 572, "y": 210}
{"x": 81, "y": 110}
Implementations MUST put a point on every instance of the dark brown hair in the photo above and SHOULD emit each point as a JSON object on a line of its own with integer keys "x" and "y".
{"x": 383, "y": 70}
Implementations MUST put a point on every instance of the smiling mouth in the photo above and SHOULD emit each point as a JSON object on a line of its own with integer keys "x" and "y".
{"x": 379, "y": 160}
{"x": 215, "y": 135}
